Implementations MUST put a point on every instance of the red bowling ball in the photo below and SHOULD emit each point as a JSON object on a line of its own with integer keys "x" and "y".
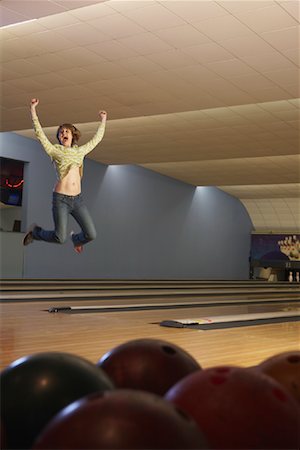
{"x": 284, "y": 368}
{"x": 121, "y": 419}
{"x": 152, "y": 365}
{"x": 238, "y": 408}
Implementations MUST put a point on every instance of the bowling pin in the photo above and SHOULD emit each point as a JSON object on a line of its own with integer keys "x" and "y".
{"x": 297, "y": 277}
{"x": 290, "y": 277}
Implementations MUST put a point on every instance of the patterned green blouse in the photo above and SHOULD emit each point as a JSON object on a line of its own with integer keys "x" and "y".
{"x": 66, "y": 157}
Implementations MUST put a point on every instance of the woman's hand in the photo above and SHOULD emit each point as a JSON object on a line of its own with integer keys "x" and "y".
{"x": 103, "y": 116}
{"x": 34, "y": 102}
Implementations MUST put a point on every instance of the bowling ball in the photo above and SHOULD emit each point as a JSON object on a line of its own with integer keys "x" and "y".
{"x": 151, "y": 365}
{"x": 36, "y": 387}
{"x": 237, "y": 408}
{"x": 284, "y": 368}
{"x": 2, "y": 436}
{"x": 121, "y": 419}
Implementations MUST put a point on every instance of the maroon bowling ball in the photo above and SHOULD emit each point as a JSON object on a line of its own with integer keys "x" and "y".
{"x": 36, "y": 387}
{"x": 284, "y": 368}
{"x": 121, "y": 419}
{"x": 151, "y": 365}
{"x": 237, "y": 408}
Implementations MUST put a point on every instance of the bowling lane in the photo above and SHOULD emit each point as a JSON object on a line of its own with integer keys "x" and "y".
{"x": 127, "y": 282}
{"x": 94, "y": 307}
{"x": 104, "y": 285}
{"x": 27, "y": 328}
{"x": 146, "y": 293}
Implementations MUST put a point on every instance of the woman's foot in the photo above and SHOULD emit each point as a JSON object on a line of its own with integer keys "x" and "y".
{"x": 28, "y": 239}
{"x": 77, "y": 248}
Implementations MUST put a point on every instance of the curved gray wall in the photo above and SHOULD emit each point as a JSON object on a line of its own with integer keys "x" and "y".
{"x": 149, "y": 225}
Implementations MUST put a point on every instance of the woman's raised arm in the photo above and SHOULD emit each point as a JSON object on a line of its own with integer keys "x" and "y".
{"x": 39, "y": 132}
{"x": 89, "y": 146}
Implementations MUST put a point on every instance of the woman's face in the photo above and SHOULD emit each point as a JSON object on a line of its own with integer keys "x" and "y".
{"x": 65, "y": 137}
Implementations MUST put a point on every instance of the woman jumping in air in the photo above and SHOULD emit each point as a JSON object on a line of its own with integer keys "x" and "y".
{"x": 68, "y": 158}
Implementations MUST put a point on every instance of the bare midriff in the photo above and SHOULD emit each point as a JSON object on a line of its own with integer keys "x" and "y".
{"x": 71, "y": 183}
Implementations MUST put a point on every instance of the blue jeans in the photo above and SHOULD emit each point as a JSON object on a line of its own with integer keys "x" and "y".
{"x": 62, "y": 206}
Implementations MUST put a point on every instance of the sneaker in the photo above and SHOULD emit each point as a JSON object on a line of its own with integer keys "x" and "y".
{"x": 28, "y": 239}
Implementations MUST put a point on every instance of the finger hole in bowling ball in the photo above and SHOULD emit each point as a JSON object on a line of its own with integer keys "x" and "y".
{"x": 169, "y": 350}
{"x": 294, "y": 359}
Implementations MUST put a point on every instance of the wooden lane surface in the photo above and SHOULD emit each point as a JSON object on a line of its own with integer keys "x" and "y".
{"x": 26, "y": 328}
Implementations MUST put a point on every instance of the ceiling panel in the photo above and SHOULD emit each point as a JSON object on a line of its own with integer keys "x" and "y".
{"x": 202, "y": 91}
{"x": 266, "y": 19}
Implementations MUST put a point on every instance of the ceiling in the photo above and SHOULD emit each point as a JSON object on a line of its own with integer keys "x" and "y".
{"x": 206, "y": 92}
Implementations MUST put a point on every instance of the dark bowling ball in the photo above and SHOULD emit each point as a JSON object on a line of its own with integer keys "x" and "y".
{"x": 284, "y": 368}
{"x": 238, "y": 408}
{"x": 36, "y": 387}
{"x": 121, "y": 419}
{"x": 2, "y": 436}
{"x": 151, "y": 365}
